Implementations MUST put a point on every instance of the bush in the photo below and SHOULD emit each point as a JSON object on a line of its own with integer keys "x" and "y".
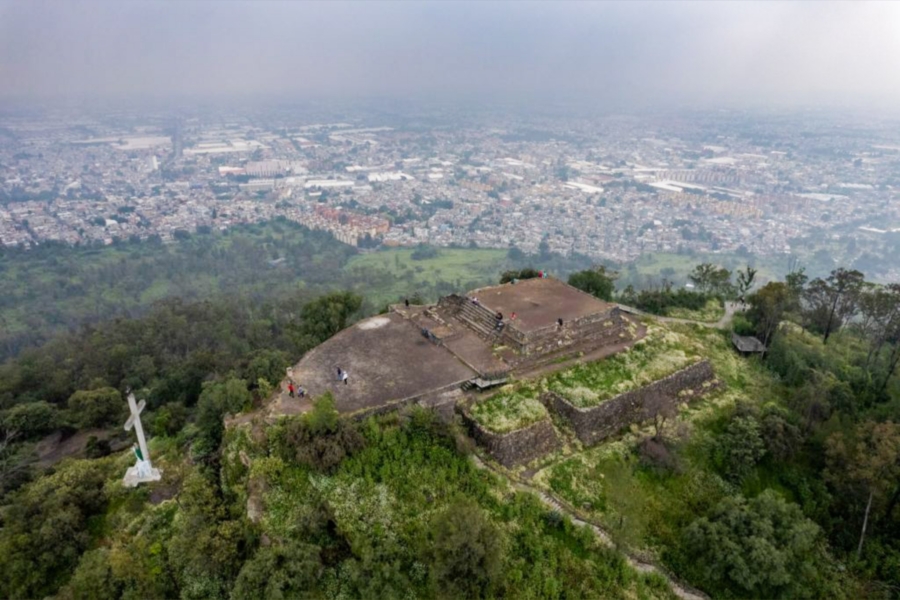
{"x": 96, "y": 408}
{"x": 292, "y": 570}
{"x": 654, "y": 454}
{"x": 762, "y": 548}
{"x": 169, "y": 419}
{"x": 31, "y": 419}
{"x": 740, "y": 447}
{"x": 596, "y": 282}
{"x": 320, "y": 439}
{"x": 527, "y": 273}
{"x": 97, "y": 448}
{"x": 466, "y": 552}
{"x": 742, "y": 326}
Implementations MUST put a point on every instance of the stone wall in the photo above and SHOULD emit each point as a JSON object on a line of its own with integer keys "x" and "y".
{"x": 516, "y": 447}
{"x": 594, "y": 424}
{"x": 603, "y": 328}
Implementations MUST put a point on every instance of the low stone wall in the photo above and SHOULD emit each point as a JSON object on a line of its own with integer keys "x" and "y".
{"x": 516, "y": 447}
{"x": 594, "y": 424}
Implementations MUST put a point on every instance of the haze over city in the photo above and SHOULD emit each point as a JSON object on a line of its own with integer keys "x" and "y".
{"x": 609, "y": 54}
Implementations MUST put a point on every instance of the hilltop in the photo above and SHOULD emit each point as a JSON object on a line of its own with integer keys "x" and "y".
{"x": 587, "y": 467}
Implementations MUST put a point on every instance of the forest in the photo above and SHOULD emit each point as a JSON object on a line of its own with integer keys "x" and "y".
{"x": 785, "y": 485}
{"x": 54, "y": 288}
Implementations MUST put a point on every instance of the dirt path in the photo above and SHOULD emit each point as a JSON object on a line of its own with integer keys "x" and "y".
{"x": 642, "y": 566}
{"x": 730, "y": 309}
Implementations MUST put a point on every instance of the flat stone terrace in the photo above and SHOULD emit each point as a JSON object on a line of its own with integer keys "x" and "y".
{"x": 387, "y": 359}
{"x": 539, "y": 302}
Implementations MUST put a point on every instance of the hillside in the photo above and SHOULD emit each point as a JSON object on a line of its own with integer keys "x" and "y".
{"x": 754, "y": 484}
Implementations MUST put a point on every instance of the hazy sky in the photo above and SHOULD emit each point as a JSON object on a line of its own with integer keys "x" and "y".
{"x": 706, "y": 53}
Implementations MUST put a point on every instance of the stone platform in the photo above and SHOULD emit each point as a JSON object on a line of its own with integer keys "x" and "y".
{"x": 418, "y": 353}
{"x": 387, "y": 360}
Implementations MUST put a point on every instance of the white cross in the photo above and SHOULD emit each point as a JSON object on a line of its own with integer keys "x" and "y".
{"x": 142, "y": 471}
{"x": 135, "y": 421}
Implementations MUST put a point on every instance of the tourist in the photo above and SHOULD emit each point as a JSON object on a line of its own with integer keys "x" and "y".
{"x": 291, "y": 389}
{"x": 559, "y": 322}
{"x": 344, "y": 377}
{"x": 512, "y": 317}
{"x": 339, "y": 372}
{"x": 499, "y": 316}
{"x": 301, "y": 392}
{"x": 406, "y": 301}
{"x": 474, "y": 300}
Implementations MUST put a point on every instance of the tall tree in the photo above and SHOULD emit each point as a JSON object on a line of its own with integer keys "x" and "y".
{"x": 879, "y": 307}
{"x": 867, "y": 461}
{"x": 597, "y": 281}
{"x": 834, "y": 300}
{"x": 745, "y": 280}
{"x": 712, "y": 279}
{"x": 767, "y": 308}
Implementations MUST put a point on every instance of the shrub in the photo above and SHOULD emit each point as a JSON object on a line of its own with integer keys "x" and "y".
{"x": 762, "y": 548}
{"x": 31, "y": 419}
{"x": 740, "y": 447}
{"x": 320, "y": 439}
{"x": 654, "y": 453}
{"x": 96, "y": 408}
{"x": 466, "y": 552}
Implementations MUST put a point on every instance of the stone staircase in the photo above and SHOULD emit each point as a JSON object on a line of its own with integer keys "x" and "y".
{"x": 479, "y": 319}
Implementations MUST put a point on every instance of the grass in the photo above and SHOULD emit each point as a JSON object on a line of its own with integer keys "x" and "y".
{"x": 711, "y": 313}
{"x": 509, "y": 410}
{"x": 388, "y": 275}
{"x": 659, "y": 354}
{"x": 644, "y": 509}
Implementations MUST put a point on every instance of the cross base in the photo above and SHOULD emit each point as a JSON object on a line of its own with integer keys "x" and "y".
{"x": 133, "y": 477}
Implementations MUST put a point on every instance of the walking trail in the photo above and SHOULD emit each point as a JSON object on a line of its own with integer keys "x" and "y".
{"x": 730, "y": 309}
{"x": 681, "y": 590}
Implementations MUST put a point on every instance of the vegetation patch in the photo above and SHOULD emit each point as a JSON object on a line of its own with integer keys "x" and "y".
{"x": 509, "y": 410}
{"x": 661, "y": 353}
{"x": 711, "y": 312}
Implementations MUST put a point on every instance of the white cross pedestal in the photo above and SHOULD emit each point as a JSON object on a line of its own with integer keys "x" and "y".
{"x": 143, "y": 470}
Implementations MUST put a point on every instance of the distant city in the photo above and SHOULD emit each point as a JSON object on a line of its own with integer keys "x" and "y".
{"x": 611, "y": 187}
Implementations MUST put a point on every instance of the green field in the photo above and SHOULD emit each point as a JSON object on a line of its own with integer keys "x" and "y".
{"x": 389, "y": 275}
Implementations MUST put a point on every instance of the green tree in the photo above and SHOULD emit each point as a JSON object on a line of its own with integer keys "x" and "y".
{"x": 740, "y": 447}
{"x": 466, "y": 551}
{"x": 597, "y": 281}
{"x": 833, "y": 300}
{"x": 768, "y": 306}
{"x": 867, "y": 462}
{"x": 207, "y": 547}
{"x": 745, "y": 280}
{"x": 279, "y": 571}
{"x": 763, "y": 548}
{"x": 96, "y": 408}
{"x": 712, "y": 279}
{"x": 30, "y": 419}
{"x": 327, "y": 315}
{"x": 218, "y": 399}
{"x": 45, "y": 528}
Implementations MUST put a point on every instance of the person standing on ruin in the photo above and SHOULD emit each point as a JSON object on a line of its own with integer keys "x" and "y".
{"x": 344, "y": 377}
{"x": 291, "y": 389}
